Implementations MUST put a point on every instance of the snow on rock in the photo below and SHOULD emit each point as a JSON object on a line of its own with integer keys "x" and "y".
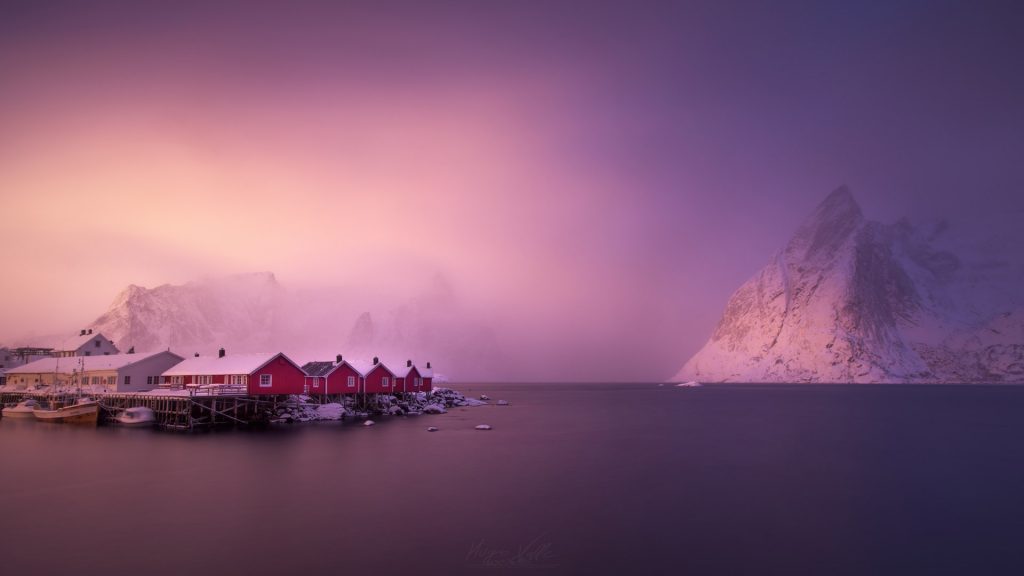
{"x": 307, "y": 409}
{"x": 368, "y": 423}
{"x": 502, "y": 402}
{"x": 431, "y": 428}
{"x": 332, "y": 411}
{"x": 483, "y": 427}
{"x": 471, "y": 402}
{"x": 852, "y": 300}
{"x": 485, "y": 397}
{"x": 689, "y": 384}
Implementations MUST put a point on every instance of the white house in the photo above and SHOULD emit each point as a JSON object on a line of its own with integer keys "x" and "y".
{"x": 85, "y": 343}
{"x": 110, "y": 373}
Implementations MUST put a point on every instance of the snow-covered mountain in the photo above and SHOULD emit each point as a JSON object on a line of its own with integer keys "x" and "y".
{"x": 852, "y": 300}
{"x": 253, "y": 312}
{"x": 240, "y": 311}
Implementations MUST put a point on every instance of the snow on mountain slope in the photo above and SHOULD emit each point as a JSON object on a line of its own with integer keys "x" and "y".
{"x": 238, "y": 311}
{"x": 851, "y": 300}
{"x": 253, "y": 313}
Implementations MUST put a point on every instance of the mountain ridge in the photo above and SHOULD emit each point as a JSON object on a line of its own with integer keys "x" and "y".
{"x": 848, "y": 299}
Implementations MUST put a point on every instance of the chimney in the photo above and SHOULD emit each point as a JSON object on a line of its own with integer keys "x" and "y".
{"x": 90, "y": 330}
{"x": 376, "y": 360}
{"x": 428, "y": 364}
{"x": 337, "y": 359}
{"x": 221, "y": 353}
{"x": 408, "y": 363}
{"x": 197, "y": 354}
{"x": 131, "y": 350}
{"x": 83, "y": 332}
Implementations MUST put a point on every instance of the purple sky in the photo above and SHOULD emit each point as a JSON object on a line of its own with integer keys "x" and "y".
{"x": 611, "y": 169}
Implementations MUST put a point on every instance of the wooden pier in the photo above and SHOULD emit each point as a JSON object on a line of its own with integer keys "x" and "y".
{"x": 177, "y": 412}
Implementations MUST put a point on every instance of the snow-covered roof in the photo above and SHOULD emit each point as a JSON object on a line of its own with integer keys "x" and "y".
{"x": 229, "y": 364}
{"x": 72, "y": 342}
{"x": 401, "y": 370}
{"x": 363, "y": 367}
{"x": 426, "y": 372}
{"x": 70, "y": 364}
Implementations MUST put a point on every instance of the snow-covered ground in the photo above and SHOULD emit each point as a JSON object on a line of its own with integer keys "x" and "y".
{"x": 307, "y": 409}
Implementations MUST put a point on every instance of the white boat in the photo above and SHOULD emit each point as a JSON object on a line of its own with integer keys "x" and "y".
{"x": 84, "y": 411}
{"x": 136, "y": 417}
{"x": 23, "y": 409}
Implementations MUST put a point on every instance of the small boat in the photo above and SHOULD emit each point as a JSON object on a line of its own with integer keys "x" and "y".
{"x": 23, "y": 409}
{"x": 84, "y": 411}
{"x": 136, "y": 417}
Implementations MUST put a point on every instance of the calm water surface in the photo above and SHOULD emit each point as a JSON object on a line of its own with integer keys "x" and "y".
{"x": 574, "y": 479}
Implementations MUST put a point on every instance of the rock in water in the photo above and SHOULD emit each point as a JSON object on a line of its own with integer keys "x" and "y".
{"x": 851, "y": 300}
{"x": 483, "y": 427}
{"x": 432, "y": 429}
{"x": 485, "y": 397}
{"x": 502, "y": 402}
{"x": 368, "y": 423}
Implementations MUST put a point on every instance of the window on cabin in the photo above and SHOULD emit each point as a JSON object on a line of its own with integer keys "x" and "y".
{"x": 351, "y": 381}
{"x": 385, "y": 381}
{"x": 265, "y": 381}
{"x": 127, "y": 380}
{"x": 97, "y": 343}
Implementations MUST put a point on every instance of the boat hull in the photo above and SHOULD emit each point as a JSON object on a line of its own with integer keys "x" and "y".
{"x": 23, "y": 409}
{"x": 15, "y": 413}
{"x": 77, "y": 414}
{"x": 135, "y": 423}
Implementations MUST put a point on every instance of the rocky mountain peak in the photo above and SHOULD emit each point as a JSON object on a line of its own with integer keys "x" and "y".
{"x": 831, "y": 224}
{"x": 852, "y": 300}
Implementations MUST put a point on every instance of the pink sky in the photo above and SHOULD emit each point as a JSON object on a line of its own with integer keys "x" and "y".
{"x": 599, "y": 174}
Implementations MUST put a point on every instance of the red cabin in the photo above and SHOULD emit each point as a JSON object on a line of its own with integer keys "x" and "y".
{"x": 252, "y": 374}
{"x": 427, "y": 374}
{"x": 379, "y": 379}
{"x": 337, "y": 377}
{"x": 409, "y": 378}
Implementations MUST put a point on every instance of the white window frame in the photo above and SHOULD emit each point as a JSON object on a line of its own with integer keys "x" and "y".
{"x": 385, "y": 381}
{"x": 268, "y": 379}
{"x": 351, "y": 382}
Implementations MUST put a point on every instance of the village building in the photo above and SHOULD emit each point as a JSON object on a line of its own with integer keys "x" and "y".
{"x": 377, "y": 378}
{"x": 408, "y": 378}
{"x": 105, "y": 373}
{"x": 253, "y": 374}
{"x": 85, "y": 343}
{"x": 427, "y": 376}
{"x": 338, "y": 377}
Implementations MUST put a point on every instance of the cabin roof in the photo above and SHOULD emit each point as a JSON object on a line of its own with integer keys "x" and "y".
{"x": 70, "y": 364}
{"x": 229, "y": 364}
{"x": 318, "y": 368}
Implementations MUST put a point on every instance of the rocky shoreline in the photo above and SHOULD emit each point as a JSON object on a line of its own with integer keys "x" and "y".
{"x": 308, "y": 409}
